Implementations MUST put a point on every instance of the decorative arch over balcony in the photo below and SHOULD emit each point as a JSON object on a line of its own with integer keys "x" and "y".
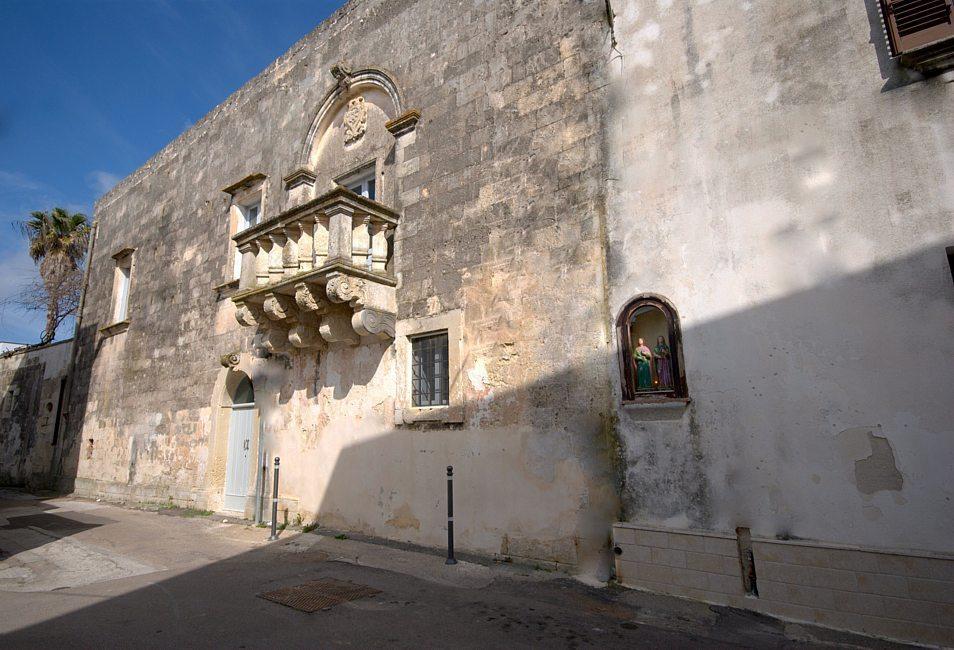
{"x": 371, "y": 82}
{"x": 321, "y": 271}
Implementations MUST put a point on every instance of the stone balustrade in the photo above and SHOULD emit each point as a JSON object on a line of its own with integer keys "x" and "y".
{"x": 319, "y": 273}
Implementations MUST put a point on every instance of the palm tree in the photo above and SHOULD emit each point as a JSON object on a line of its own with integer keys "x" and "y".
{"x": 58, "y": 242}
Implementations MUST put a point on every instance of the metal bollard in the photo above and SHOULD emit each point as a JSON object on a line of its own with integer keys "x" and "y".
{"x": 450, "y": 516}
{"x": 274, "y": 534}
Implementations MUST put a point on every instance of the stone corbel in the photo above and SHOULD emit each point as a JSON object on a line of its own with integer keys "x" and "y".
{"x": 373, "y": 322}
{"x": 344, "y": 288}
{"x": 308, "y": 300}
{"x": 230, "y": 360}
{"x": 248, "y": 315}
{"x": 278, "y": 307}
{"x": 305, "y": 334}
{"x": 341, "y": 71}
{"x": 336, "y": 327}
{"x": 272, "y": 337}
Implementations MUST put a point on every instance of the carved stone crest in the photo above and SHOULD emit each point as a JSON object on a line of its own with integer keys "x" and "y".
{"x": 355, "y": 120}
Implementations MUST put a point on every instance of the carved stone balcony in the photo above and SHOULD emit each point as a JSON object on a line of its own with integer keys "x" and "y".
{"x": 319, "y": 273}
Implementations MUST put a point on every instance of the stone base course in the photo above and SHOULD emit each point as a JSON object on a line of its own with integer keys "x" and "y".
{"x": 906, "y": 596}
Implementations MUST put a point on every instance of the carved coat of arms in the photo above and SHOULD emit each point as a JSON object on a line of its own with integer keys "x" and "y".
{"x": 355, "y": 120}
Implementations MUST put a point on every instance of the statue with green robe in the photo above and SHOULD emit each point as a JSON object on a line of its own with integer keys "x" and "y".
{"x": 644, "y": 371}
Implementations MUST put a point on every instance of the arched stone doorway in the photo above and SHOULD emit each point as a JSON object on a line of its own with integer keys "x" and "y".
{"x": 242, "y": 425}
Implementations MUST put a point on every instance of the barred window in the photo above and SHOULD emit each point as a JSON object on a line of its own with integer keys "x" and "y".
{"x": 429, "y": 370}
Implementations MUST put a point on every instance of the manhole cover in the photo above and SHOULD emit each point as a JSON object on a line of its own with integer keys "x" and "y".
{"x": 319, "y": 594}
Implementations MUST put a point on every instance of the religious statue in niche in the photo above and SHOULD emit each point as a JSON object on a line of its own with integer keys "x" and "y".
{"x": 663, "y": 362}
{"x": 644, "y": 359}
{"x": 355, "y": 120}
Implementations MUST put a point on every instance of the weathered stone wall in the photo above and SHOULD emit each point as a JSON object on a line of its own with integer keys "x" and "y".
{"x": 30, "y": 385}
{"x": 501, "y": 194}
{"x": 791, "y": 192}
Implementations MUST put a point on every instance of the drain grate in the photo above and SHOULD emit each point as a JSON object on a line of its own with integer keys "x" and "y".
{"x": 319, "y": 594}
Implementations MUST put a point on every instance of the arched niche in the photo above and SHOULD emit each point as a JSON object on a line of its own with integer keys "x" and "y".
{"x": 332, "y": 152}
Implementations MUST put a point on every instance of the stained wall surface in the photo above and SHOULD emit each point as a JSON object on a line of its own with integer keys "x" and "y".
{"x": 31, "y": 380}
{"x": 500, "y": 191}
{"x": 791, "y": 192}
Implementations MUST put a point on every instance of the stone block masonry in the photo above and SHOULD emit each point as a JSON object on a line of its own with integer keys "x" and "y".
{"x": 901, "y": 596}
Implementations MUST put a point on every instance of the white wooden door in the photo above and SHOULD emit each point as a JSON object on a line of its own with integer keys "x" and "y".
{"x": 237, "y": 469}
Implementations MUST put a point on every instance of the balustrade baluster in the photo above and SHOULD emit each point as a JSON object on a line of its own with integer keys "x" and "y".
{"x": 379, "y": 246}
{"x": 360, "y": 241}
{"x": 292, "y": 232}
{"x": 276, "y": 268}
{"x": 264, "y": 245}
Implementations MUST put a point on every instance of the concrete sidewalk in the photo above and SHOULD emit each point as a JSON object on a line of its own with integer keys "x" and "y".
{"x": 88, "y": 574}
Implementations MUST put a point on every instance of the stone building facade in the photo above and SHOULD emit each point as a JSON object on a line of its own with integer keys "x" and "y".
{"x": 385, "y": 255}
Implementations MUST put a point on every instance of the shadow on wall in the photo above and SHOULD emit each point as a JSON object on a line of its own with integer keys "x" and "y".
{"x": 66, "y": 453}
{"x": 793, "y": 396}
{"x": 19, "y": 437}
{"x": 541, "y": 491}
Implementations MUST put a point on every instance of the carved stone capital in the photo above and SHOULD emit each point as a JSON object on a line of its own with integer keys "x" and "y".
{"x": 278, "y": 307}
{"x": 373, "y": 322}
{"x": 344, "y": 288}
{"x": 308, "y": 300}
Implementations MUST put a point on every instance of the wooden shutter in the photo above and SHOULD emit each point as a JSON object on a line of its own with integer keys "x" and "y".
{"x": 913, "y": 24}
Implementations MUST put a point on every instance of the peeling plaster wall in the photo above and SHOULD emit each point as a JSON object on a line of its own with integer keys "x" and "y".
{"x": 791, "y": 192}
{"x": 30, "y": 384}
{"x": 501, "y": 195}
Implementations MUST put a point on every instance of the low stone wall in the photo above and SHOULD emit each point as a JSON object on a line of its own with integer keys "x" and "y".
{"x": 31, "y": 380}
{"x": 904, "y": 596}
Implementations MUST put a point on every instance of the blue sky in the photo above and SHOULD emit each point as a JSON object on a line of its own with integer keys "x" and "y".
{"x": 91, "y": 89}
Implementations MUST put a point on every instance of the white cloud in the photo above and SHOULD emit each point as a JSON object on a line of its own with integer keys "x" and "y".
{"x": 102, "y": 181}
{"x": 16, "y": 181}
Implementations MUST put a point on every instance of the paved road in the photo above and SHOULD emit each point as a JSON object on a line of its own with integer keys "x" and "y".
{"x": 85, "y": 574}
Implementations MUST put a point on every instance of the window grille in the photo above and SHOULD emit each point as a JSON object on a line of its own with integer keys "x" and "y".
{"x": 429, "y": 370}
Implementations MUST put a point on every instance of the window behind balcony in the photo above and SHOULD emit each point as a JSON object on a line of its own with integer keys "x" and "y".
{"x": 248, "y": 216}
{"x": 430, "y": 378}
{"x": 361, "y": 182}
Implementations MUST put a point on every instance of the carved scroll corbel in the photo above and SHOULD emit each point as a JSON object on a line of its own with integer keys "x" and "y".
{"x": 344, "y": 288}
{"x": 248, "y": 315}
{"x": 230, "y": 360}
{"x": 278, "y": 307}
{"x": 373, "y": 322}
{"x": 309, "y": 301}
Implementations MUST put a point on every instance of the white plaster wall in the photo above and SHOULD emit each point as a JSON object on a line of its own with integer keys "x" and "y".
{"x": 782, "y": 185}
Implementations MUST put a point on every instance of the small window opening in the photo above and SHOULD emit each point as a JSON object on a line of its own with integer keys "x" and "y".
{"x": 430, "y": 374}
{"x": 123, "y": 277}
{"x": 248, "y": 216}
